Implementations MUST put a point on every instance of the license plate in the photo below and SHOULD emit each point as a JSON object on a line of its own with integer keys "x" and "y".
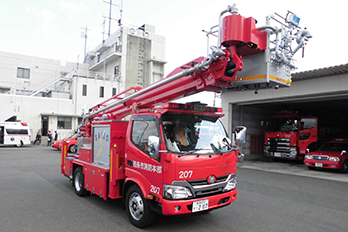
{"x": 200, "y": 205}
{"x": 319, "y": 165}
{"x": 277, "y": 154}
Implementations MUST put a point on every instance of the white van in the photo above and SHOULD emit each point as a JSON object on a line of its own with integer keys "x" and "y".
{"x": 14, "y": 133}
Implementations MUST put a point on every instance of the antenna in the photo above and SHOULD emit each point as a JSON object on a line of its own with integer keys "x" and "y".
{"x": 110, "y": 18}
{"x": 84, "y": 35}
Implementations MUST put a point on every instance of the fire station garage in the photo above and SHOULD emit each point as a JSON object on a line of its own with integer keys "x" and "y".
{"x": 322, "y": 93}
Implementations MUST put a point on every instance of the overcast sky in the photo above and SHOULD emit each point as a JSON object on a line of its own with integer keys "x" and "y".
{"x": 52, "y": 28}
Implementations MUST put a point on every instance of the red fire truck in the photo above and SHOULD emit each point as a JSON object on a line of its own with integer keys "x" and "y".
{"x": 170, "y": 158}
{"x": 288, "y": 135}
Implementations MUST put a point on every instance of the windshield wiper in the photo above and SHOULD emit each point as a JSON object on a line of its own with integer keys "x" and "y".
{"x": 219, "y": 150}
{"x": 192, "y": 152}
{"x": 215, "y": 150}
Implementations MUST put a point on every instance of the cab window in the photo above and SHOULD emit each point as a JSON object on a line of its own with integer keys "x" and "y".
{"x": 141, "y": 130}
{"x": 308, "y": 123}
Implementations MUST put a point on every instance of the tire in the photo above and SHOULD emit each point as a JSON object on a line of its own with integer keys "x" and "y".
{"x": 311, "y": 168}
{"x": 138, "y": 210}
{"x": 79, "y": 182}
{"x": 344, "y": 168}
{"x": 72, "y": 149}
{"x": 20, "y": 144}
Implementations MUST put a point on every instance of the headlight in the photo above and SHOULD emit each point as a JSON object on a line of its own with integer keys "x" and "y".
{"x": 293, "y": 151}
{"x": 176, "y": 192}
{"x": 231, "y": 184}
{"x": 336, "y": 159}
{"x": 308, "y": 157}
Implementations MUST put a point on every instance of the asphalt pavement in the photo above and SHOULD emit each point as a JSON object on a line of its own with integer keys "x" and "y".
{"x": 35, "y": 197}
{"x": 293, "y": 168}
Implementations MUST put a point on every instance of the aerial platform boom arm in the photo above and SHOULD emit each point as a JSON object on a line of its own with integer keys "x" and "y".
{"x": 201, "y": 74}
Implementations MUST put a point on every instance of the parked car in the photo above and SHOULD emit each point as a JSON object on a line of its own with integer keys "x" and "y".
{"x": 56, "y": 144}
{"x": 72, "y": 141}
{"x": 333, "y": 155}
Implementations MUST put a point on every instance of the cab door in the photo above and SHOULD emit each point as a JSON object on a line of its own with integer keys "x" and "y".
{"x": 142, "y": 164}
{"x": 308, "y": 133}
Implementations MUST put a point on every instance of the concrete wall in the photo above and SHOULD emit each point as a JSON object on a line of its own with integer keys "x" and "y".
{"x": 42, "y": 71}
{"x": 138, "y": 53}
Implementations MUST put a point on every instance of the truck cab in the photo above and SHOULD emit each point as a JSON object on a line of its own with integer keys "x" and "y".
{"x": 288, "y": 135}
{"x": 169, "y": 148}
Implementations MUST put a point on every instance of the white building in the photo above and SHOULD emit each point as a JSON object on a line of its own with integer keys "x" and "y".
{"x": 51, "y": 94}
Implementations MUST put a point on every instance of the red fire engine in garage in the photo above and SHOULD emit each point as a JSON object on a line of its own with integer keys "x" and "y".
{"x": 164, "y": 157}
{"x": 288, "y": 135}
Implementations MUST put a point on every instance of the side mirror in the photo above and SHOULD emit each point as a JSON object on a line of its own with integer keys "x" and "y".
{"x": 240, "y": 158}
{"x": 343, "y": 151}
{"x": 240, "y": 132}
{"x": 153, "y": 146}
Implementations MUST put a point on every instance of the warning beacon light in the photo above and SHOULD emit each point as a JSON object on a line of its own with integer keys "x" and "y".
{"x": 293, "y": 19}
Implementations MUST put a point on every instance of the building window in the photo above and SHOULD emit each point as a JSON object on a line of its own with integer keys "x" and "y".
{"x": 116, "y": 70}
{"x": 84, "y": 90}
{"x": 113, "y": 91}
{"x": 101, "y": 91}
{"x": 64, "y": 122}
{"x": 23, "y": 73}
{"x": 5, "y": 90}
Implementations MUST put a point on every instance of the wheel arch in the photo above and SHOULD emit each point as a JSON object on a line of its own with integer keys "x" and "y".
{"x": 127, "y": 184}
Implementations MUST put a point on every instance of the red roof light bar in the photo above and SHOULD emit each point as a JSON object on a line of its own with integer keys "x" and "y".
{"x": 194, "y": 107}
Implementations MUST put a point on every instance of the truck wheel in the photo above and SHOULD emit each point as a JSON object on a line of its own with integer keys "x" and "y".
{"x": 344, "y": 168}
{"x": 79, "y": 182}
{"x": 138, "y": 210}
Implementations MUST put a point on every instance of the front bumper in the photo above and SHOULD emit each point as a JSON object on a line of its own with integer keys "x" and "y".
{"x": 322, "y": 164}
{"x": 170, "y": 207}
{"x": 285, "y": 155}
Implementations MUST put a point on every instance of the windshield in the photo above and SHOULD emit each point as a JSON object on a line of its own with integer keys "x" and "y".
{"x": 73, "y": 136}
{"x": 334, "y": 147}
{"x": 282, "y": 124}
{"x": 194, "y": 134}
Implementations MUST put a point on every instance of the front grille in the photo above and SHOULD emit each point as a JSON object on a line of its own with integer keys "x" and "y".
{"x": 321, "y": 157}
{"x": 204, "y": 182}
{"x": 279, "y": 144}
{"x": 202, "y": 188}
